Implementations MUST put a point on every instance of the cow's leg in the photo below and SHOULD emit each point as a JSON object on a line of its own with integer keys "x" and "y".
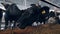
{"x": 10, "y": 24}
{"x": 41, "y": 22}
{"x": 6, "y": 20}
{"x": 44, "y": 22}
{"x": 0, "y": 24}
{"x": 22, "y": 25}
{"x": 0, "y": 20}
{"x": 14, "y": 25}
{"x": 6, "y": 24}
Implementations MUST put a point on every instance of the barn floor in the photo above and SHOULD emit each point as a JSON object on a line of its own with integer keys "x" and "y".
{"x": 42, "y": 29}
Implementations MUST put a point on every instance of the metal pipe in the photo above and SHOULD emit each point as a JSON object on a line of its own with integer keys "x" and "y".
{"x": 50, "y": 3}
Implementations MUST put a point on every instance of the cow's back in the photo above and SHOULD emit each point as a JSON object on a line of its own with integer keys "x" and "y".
{"x": 13, "y": 10}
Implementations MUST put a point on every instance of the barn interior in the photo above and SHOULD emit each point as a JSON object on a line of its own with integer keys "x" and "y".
{"x": 37, "y": 28}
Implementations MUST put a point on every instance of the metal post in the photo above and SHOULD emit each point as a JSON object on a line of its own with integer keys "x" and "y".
{"x": 3, "y": 1}
{"x": 25, "y": 2}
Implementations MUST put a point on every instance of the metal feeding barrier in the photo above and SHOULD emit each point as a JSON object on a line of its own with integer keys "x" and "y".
{"x": 50, "y": 3}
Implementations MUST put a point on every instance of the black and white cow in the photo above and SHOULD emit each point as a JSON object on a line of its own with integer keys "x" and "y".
{"x": 54, "y": 17}
{"x": 2, "y": 9}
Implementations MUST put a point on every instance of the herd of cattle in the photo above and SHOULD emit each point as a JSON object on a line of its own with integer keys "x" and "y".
{"x": 27, "y": 17}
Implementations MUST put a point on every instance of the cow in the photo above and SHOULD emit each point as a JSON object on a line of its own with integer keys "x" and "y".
{"x": 53, "y": 18}
{"x": 2, "y": 9}
{"x": 12, "y": 13}
{"x": 28, "y": 17}
{"x": 44, "y": 14}
{"x": 1, "y": 14}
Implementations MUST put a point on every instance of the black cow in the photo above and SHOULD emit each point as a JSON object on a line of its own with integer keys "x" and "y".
{"x": 33, "y": 14}
{"x": 12, "y": 13}
{"x": 29, "y": 16}
{"x": 44, "y": 14}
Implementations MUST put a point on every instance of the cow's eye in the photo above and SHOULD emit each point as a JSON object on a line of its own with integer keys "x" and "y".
{"x": 43, "y": 12}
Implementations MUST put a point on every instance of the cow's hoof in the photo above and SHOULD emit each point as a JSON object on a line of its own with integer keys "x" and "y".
{"x": 22, "y": 27}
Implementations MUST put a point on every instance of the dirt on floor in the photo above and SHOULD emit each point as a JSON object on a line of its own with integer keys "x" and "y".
{"x": 41, "y": 29}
